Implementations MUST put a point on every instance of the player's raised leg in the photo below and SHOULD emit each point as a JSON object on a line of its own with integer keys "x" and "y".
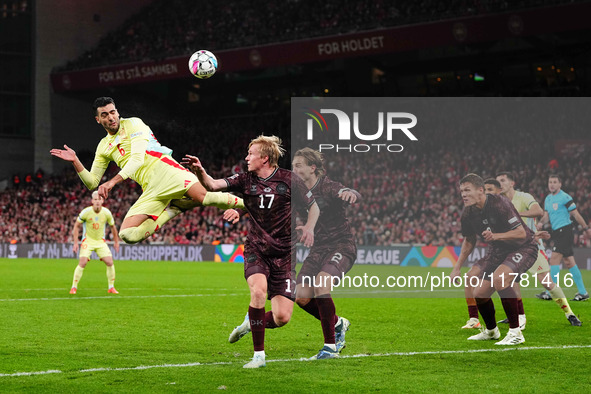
{"x": 174, "y": 191}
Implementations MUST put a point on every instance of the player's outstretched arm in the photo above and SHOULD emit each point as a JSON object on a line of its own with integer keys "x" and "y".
{"x": 194, "y": 165}
{"x": 467, "y": 248}
{"x": 91, "y": 178}
{"x": 68, "y": 154}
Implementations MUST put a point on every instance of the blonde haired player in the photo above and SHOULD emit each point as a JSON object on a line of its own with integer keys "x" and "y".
{"x": 269, "y": 193}
{"x": 94, "y": 220}
{"x": 168, "y": 188}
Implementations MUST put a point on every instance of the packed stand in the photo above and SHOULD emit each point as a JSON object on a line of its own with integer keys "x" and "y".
{"x": 408, "y": 198}
{"x": 173, "y": 28}
{"x": 44, "y": 211}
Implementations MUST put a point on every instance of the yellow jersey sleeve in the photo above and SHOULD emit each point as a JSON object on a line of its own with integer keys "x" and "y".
{"x": 136, "y": 129}
{"x": 92, "y": 178}
{"x": 109, "y": 217}
{"x": 82, "y": 215}
{"x": 523, "y": 202}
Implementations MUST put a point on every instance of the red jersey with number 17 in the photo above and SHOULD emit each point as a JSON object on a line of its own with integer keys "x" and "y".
{"x": 269, "y": 203}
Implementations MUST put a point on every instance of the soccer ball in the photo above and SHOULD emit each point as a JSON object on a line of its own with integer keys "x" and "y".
{"x": 203, "y": 64}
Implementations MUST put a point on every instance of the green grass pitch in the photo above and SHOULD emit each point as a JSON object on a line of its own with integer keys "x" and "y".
{"x": 167, "y": 331}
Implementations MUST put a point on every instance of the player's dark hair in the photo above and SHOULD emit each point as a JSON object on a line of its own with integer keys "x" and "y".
{"x": 313, "y": 158}
{"x": 101, "y": 102}
{"x": 474, "y": 179}
{"x": 508, "y": 174}
{"x": 493, "y": 181}
{"x": 555, "y": 176}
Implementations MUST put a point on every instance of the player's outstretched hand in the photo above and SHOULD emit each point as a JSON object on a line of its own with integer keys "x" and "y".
{"x": 66, "y": 154}
{"x": 75, "y": 248}
{"x": 307, "y": 236}
{"x": 192, "y": 163}
{"x": 231, "y": 216}
{"x": 348, "y": 196}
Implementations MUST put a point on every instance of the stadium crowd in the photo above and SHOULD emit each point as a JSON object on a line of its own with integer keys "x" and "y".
{"x": 168, "y": 28}
{"x": 408, "y": 198}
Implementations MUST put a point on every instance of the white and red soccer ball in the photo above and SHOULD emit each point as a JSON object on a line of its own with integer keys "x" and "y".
{"x": 203, "y": 64}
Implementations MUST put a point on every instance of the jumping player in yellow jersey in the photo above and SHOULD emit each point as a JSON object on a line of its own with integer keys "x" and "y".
{"x": 168, "y": 188}
{"x": 94, "y": 220}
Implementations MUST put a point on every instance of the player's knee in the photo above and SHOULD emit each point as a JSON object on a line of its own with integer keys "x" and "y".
{"x": 473, "y": 272}
{"x": 130, "y": 235}
{"x": 281, "y": 319}
{"x": 481, "y": 293}
{"x": 544, "y": 279}
{"x": 320, "y": 292}
{"x": 258, "y": 296}
{"x": 469, "y": 291}
{"x": 569, "y": 263}
{"x": 499, "y": 284}
{"x": 302, "y": 302}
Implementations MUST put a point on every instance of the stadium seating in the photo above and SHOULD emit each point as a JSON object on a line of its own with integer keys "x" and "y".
{"x": 172, "y": 28}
